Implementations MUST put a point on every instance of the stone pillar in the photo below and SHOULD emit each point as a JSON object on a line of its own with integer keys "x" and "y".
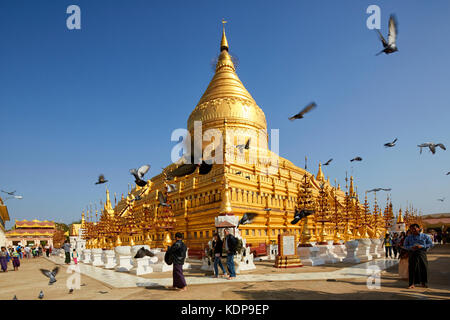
{"x": 364, "y": 250}
{"x": 96, "y": 257}
{"x": 310, "y": 256}
{"x": 340, "y": 251}
{"x": 273, "y": 251}
{"x": 123, "y": 258}
{"x": 375, "y": 248}
{"x": 86, "y": 255}
{"x": 326, "y": 253}
{"x": 352, "y": 249}
{"x": 244, "y": 261}
{"x": 109, "y": 258}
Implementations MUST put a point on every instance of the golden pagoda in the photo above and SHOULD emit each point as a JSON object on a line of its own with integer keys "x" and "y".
{"x": 249, "y": 180}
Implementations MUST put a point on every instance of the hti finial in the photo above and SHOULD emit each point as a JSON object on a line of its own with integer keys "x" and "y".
{"x": 224, "y": 42}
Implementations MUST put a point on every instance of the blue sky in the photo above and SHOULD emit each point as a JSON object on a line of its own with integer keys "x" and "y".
{"x": 104, "y": 99}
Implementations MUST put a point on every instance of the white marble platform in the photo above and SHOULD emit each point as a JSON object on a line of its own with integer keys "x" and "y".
{"x": 126, "y": 280}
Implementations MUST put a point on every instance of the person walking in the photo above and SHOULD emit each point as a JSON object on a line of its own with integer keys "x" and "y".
{"x": 217, "y": 245}
{"x": 16, "y": 260}
{"x": 388, "y": 245}
{"x": 47, "y": 251}
{"x": 230, "y": 242}
{"x": 417, "y": 244}
{"x": 66, "y": 248}
{"x": 75, "y": 256}
{"x": 178, "y": 253}
{"x": 395, "y": 245}
{"x": 28, "y": 252}
{"x": 4, "y": 259}
{"x": 403, "y": 256}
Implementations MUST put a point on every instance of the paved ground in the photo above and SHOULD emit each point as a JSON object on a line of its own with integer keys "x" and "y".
{"x": 28, "y": 281}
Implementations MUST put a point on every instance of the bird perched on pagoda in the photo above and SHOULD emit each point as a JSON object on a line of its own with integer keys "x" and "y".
{"x": 305, "y": 110}
{"x": 431, "y": 146}
{"x": 50, "y": 274}
{"x": 299, "y": 215}
{"x": 390, "y": 46}
{"x": 101, "y": 179}
{"x": 142, "y": 252}
{"x": 356, "y": 159}
{"x": 390, "y": 144}
{"x": 328, "y": 162}
{"x": 139, "y": 174}
{"x": 247, "y": 218}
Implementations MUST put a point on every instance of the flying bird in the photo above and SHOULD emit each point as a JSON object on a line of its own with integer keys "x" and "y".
{"x": 298, "y": 215}
{"x": 378, "y": 189}
{"x": 41, "y": 295}
{"x": 267, "y": 209}
{"x": 390, "y": 46}
{"x": 247, "y": 218}
{"x": 431, "y": 146}
{"x": 10, "y": 193}
{"x": 245, "y": 146}
{"x": 162, "y": 200}
{"x": 139, "y": 174}
{"x": 103, "y": 292}
{"x": 305, "y": 110}
{"x": 101, "y": 179}
{"x": 448, "y": 173}
{"x": 328, "y": 162}
{"x": 390, "y": 144}
{"x": 171, "y": 188}
{"x": 238, "y": 172}
{"x": 50, "y": 274}
{"x": 441, "y": 200}
{"x": 356, "y": 159}
{"x": 248, "y": 177}
{"x": 142, "y": 252}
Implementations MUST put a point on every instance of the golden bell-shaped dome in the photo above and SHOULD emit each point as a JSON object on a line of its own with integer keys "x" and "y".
{"x": 227, "y": 99}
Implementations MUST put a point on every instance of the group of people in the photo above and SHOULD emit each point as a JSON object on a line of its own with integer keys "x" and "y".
{"x": 228, "y": 245}
{"x": 11, "y": 254}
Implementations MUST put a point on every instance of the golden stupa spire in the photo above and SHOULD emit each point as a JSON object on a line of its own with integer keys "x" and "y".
{"x": 108, "y": 205}
{"x": 224, "y": 42}
{"x": 320, "y": 176}
{"x": 400, "y": 217}
{"x": 351, "y": 191}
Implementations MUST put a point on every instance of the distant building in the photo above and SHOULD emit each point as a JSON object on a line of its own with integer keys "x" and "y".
{"x": 400, "y": 225}
{"x": 76, "y": 240}
{"x": 31, "y": 233}
{"x": 4, "y": 216}
{"x": 436, "y": 221}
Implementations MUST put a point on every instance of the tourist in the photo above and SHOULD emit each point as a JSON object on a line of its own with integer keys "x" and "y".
{"x": 66, "y": 247}
{"x": 28, "y": 252}
{"x": 15, "y": 260}
{"x": 230, "y": 242}
{"x": 438, "y": 238}
{"x": 19, "y": 251}
{"x": 40, "y": 251}
{"x": 417, "y": 244}
{"x": 403, "y": 256}
{"x": 217, "y": 245}
{"x": 178, "y": 253}
{"x": 388, "y": 245}
{"x": 395, "y": 245}
{"x": 4, "y": 259}
{"x": 75, "y": 256}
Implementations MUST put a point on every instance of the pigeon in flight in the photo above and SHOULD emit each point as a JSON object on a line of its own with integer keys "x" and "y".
{"x": 142, "y": 252}
{"x": 248, "y": 177}
{"x": 247, "y": 218}
{"x": 448, "y": 173}
{"x": 356, "y": 159}
{"x": 41, "y": 295}
{"x": 10, "y": 193}
{"x": 267, "y": 209}
{"x": 245, "y": 146}
{"x": 431, "y": 146}
{"x": 238, "y": 172}
{"x": 305, "y": 110}
{"x": 171, "y": 188}
{"x": 162, "y": 200}
{"x": 441, "y": 200}
{"x": 298, "y": 215}
{"x": 328, "y": 162}
{"x": 378, "y": 189}
{"x": 390, "y": 46}
{"x": 50, "y": 274}
{"x": 390, "y": 144}
{"x": 139, "y": 174}
{"x": 101, "y": 179}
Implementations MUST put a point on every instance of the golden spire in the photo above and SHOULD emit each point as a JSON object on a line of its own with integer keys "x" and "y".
{"x": 224, "y": 42}
{"x": 351, "y": 191}
{"x": 400, "y": 217}
{"x": 108, "y": 205}
{"x": 320, "y": 176}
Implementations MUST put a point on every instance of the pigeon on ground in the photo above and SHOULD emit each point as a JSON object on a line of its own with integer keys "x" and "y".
{"x": 15, "y": 298}
{"x": 379, "y": 189}
{"x": 247, "y": 218}
{"x": 298, "y": 215}
{"x": 356, "y": 159}
{"x": 71, "y": 290}
{"x": 162, "y": 200}
{"x": 101, "y": 179}
{"x": 50, "y": 274}
{"x": 390, "y": 144}
{"x": 390, "y": 46}
{"x": 41, "y": 295}
{"x": 328, "y": 162}
{"x": 431, "y": 146}
{"x": 139, "y": 174}
{"x": 83, "y": 285}
{"x": 142, "y": 252}
{"x": 305, "y": 110}
{"x": 103, "y": 292}
{"x": 245, "y": 146}
{"x": 10, "y": 193}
